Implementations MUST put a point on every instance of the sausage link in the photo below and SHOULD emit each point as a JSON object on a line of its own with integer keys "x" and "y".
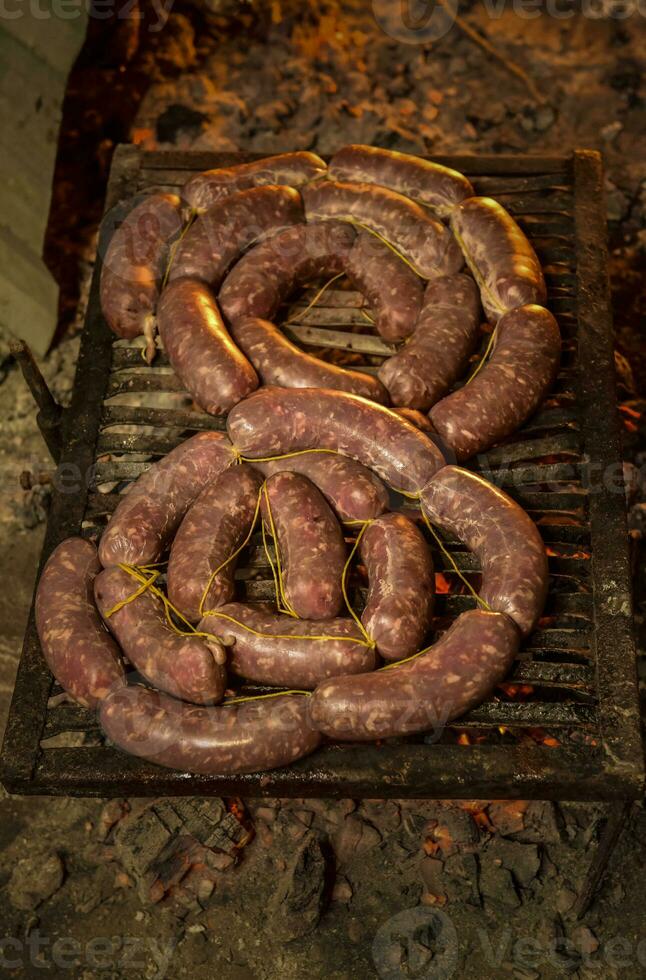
{"x": 437, "y": 353}
{"x": 274, "y": 658}
{"x": 391, "y": 289}
{"x": 273, "y": 421}
{"x": 247, "y": 737}
{"x": 353, "y": 491}
{"x": 214, "y": 527}
{"x": 279, "y": 362}
{"x": 147, "y": 517}
{"x": 268, "y": 273}
{"x": 219, "y": 236}
{"x": 310, "y": 544}
{"x": 422, "y": 180}
{"x": 181, "y": 665}
{"x": 413, "y": 231}
{"x": 502, "y": 261}
{"x": 508, "y": 389}
{"x": 134, "y": 264}
{"x": 80, "y": 653}
{"x": 213, "y": 369}
{"x": 424, "y": 694}
{"x": 399, "y": 607}
{"x": 293, "y": 169}
{"x": 500, "y": 533}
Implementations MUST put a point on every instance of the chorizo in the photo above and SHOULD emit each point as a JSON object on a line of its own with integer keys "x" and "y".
{"x": 440, "y": 188}
{"x": 399, "y": 606}
{"x": 289, "y": 653}
{"x": 279, "y": 362}
{"x": 502, "y": 261}
{"x": 267, "y": 274}
{"x": 446, "y": 333}
{"x": 134, "y": 266}
{"x": 424, "y": 694}
{"x": 79, "y": 651}
{"x": 293, "y": 169}
{"x": 502, "y": 536}
{"x": 420, "y": 238}
{"x": 273, "y": 421}
{"x": 181, "y": 665}
{"x": 392, "y": 290}
{"x": 508, "y": 389}
{"x": 219, "y": 236}
{"x": 353, "y": 491}
{"x": 211, "y": 741}
{"x": 213, "y": 529}
{"x": 309, "y": 543}
{"x": 147, "y": 517}
{"x": 205, "y": 358}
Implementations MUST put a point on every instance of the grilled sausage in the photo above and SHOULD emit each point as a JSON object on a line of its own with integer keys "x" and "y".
{"x": 213, "y": 529}
{"x": 274, "y": 421}
{"x": 219, "y": 236}
{"x": 408, "y": 227}
{"x": 309, "y": 542}
{"x": 508, "y": 389}
{"x": 279, "y": 362}
{"x": 424, "y": 694}
{"x": 239, "y": 738}
{"x": 134, "y": 266}
{"x": 499, "y": 255}
{"x": 391, "y": 289}
{"x": 418, "y": 418}
{"x": 399, "y": 607}
{"x": 267, "y": 274}
{"x": 422, "y": 180}
{"x": 353, "y": 491}
{"x": 435, "y": 356}
{"x": 290, "y": 655}
{"x": 213, "y": 369}
{"x": 80, "y": 653}
{"x": 181, "y": 665}
{"x": 146, "y": 519}
{"x": 293, "y": 169}
{"x": 500, "y": 533}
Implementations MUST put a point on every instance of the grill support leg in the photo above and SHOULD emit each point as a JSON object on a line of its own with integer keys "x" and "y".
{"x": 617, "y": 817}
{"x": 50, "y": 413}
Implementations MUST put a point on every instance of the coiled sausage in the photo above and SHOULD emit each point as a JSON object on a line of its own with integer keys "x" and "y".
{"x": 293, "y": 169}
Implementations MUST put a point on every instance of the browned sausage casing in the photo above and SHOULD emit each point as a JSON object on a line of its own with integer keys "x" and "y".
{"x": 217, "y": 239}
{"x": 283, "y": 657}
{"x": 502, "y": 261}
{"x": 419, "y": 237}
{"x": 445, "y": 335}
{"x": 508, "y": 389}
{"x": 245, "y": 737}
{"x": 213, "y": 529}
{"x": 456, "y": 674}
{"x": 399, "y": 608}
{"x": 279, "y": 362}
{"x": 353, "y": 491}
{"x": 181, "y": 665}
{"x": 310, "y": 543}
{"x": 391, "y": 289}
{"x": 80, "y": 653}
{"x": 149, "y": 514}
{"x": 501, "y": 534}
{"x": 293, "y": 169}
{"x": 214, "y": 370}
{"x": 422, "y": 180}
{"x": 274, "y": 421}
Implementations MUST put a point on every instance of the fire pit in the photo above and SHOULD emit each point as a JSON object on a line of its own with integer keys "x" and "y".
{"x": 565, "y": 725}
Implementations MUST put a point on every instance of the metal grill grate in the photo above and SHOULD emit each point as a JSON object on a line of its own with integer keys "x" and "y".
{"x": 576, "y": 673}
